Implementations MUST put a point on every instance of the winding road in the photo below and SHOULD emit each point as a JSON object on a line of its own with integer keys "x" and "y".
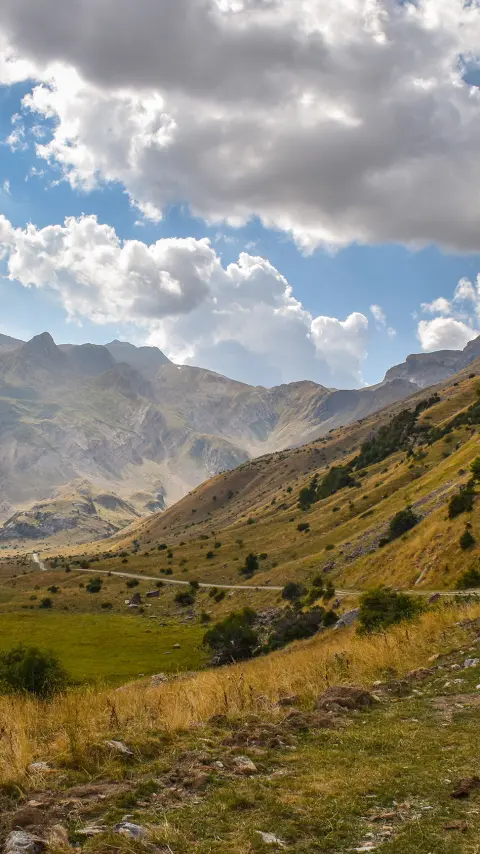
{"x": 339, "y": 592}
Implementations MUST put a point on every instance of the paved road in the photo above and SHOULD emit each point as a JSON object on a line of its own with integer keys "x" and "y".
{"x": 340, "y": 592}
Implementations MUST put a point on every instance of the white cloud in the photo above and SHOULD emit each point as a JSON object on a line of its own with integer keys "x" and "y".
{"x": 458, "y": 321}
{"x": 380, "y": 319}
{"x": 378, "y": 316}
{"x": 437, "y": 306}
{"x": 445, "y": 333}
{"x": 242, "y": 320}
{"x": 310, "y": 114}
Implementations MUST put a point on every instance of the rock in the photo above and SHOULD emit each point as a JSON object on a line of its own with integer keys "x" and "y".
{"x": 92, "y": 829}
{"x": 136, "y": 599}
{"x": 456, "y": 825}
{"x": 159, "y": 678}
{"x": 244, "y": 765}
{"x": 344, "y": 697}
{"x": 152, "y": 594}
{"x": 434, "y": 598}
{"x": 271, "y": 839}
{"x": 119, "y": 747}
{"x": 27, "y": 817}
{"x": 465, "y": 787}
{"x": 58, "y": 837}
{"x": 128, "y": 828}
{"x": 471, "y": 662}
{"x": 347, "y": 619}
{"x": 176, "y": 646}
{"x": 21, "y": 842}
{"x": 287, "y": 701}
{"x": 38, "y": 767}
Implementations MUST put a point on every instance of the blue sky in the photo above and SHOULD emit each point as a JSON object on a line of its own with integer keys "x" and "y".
{"x": 367, "y": 259}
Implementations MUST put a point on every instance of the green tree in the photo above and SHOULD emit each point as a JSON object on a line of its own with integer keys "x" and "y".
{"x": 382, "y": 607}
{"x": 250, "y": 566}
{"x": 94, "y": 585}
{"x": 475, "y": 469}
{"x": 402, "y": 522}
{"x": 293, "y": 591}
{"x": 469, "y": 580}
{"x": 233, "y": 639}
{"x": 30, "y": 670}
{"x": 467, "y": 540}
{"x": 462, "y": 501}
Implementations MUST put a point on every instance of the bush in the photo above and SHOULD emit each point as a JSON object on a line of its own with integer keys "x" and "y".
{"x": 213, "y": 592}
{"x": 185, "y": 597}
{"x": 32, "y": 671}
{"x": 53, "y": 588}
{"x": 303, "y": 526}
{"x": 233, "y": 639}
{"x": 329, "y": 591}
{"x": 292, "y": 591}
{"x": 382, "y": 607}
{"x": 94, "y": 585}
{"x": 461, "y": 502}
{"x": 46, "y": 603}
{"x": 132, "y": 582}
{"x": 84, "y": 564}
{"x": 402, "y": 522}
{"x": 194, "y": 584}
{"x": 467, "y": 540}
{"x": 295, "y": 625}
{"x": 250, "y": 566}
{"x": 106, "y": 606}
{"x": 469, "y": 579}
{"x": 219, "y": 596}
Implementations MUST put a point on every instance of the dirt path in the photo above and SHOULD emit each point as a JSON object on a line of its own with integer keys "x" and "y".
{"x": 340, "y": 592}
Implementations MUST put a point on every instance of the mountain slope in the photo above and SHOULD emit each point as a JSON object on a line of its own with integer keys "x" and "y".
{"x": 425, "y": 369}
{"x": 143, "y": 424}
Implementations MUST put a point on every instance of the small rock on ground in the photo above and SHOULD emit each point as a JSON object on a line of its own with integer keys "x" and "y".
{"x": 344, "y": 697}
{"x": 21, "y": 842}
{"x": 271, "y": 839}
{"x": 128, "y": 828}
{"x": 244, "y": 765}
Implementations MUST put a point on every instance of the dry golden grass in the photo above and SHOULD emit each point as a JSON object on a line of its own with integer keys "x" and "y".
{"x": 72, "y": 728}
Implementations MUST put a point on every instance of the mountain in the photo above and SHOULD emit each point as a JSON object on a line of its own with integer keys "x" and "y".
{"x": 129, "y": 421}
{"x": 425, "y": 369}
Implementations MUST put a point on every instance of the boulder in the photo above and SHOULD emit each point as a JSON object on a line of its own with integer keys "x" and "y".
{"x": 347, "y": 619}
{"x": 152, "y": 594}
{"x": 344, "y": 697}
{"x": 21, "y": 842}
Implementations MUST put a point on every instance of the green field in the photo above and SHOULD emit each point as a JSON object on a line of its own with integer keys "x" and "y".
{"x": 106, "y": 647}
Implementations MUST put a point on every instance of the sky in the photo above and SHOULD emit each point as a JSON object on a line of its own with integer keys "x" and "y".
{"x": 276, "y": 190}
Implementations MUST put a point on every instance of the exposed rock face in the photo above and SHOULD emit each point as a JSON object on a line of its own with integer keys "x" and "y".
{"x": 424, "y": 369}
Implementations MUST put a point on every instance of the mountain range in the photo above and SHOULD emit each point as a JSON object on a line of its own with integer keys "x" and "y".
{"x": 94, "y": 436}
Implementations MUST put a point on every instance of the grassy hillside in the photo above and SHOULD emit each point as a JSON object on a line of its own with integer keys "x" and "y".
{"x": 255, "y": 509}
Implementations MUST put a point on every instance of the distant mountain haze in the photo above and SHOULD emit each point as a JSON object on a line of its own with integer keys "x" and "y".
{"x": 132, "y": 426}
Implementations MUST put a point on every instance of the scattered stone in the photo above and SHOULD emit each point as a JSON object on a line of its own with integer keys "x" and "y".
{"x": 92, "y": 830}
{"x": 420, "y": 674}
{"x": 292, "y": 700}
{"x": 465, "y": 787}
{"x": 27, "y": 817}
{"x": 119, "y": 747}
{"x": 244, "y": 765}
{"x": 471, "y": 662}
{"x": 341, "y": 697}
{"x": 152, "y": 594}
{"x": 271, "y": 839}
{"x": 159, "y": 678}
{"x": 176, "y": 646}
{"x": 347, "y": 619}
{"x": 38, "y": 767}
{"x": 456, "y": 825}
{"x": 58, "y": 837}
{"x": 21, "y": 842}
{"x": 136, "y": 599}
{"x": 128, "y": 828}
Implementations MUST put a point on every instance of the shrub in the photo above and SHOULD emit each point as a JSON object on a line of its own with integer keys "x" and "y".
{"x": 475, "y": 469}
{"x": 210, "y": 555}
{"x": 205, "y": 618}
{"x": 402, "y": 522}
{"x": 469, "y": 579}
{"x": 162, "y": 547}
{"x": 30, "y": 670}
{"x": 461, "y": 502}
{"x": 84, "y": 564}
{"x": 329, "y": 591}
{"x": 106, "y": 606}
{"x": 296, "y": 625}
{"x": 46, "y": 603}
{"x": 467, "y": 540}
{"x": 94, "y": 585}
{"x": 250, "y": 566}
{"x": 53, "y": 589}
{"x": 219, "y": 596}
{"x": 233, "y": 639}
{"x": 213, "y": 592}
{"x": 303, "y": 526}
{"x": 194, "y": 584}
{"x": 382, "y": 607}
{"x": 293, "y": 591}
{"x": 185, "y": 597}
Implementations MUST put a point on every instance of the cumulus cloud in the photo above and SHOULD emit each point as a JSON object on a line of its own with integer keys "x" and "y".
{"x": 332, "y": 120}
{"x": 242, "y": 319}
{"x": 458, "y": 321}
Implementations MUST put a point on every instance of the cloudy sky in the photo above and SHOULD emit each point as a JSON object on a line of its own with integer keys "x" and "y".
{"x": 273, "y": 189}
